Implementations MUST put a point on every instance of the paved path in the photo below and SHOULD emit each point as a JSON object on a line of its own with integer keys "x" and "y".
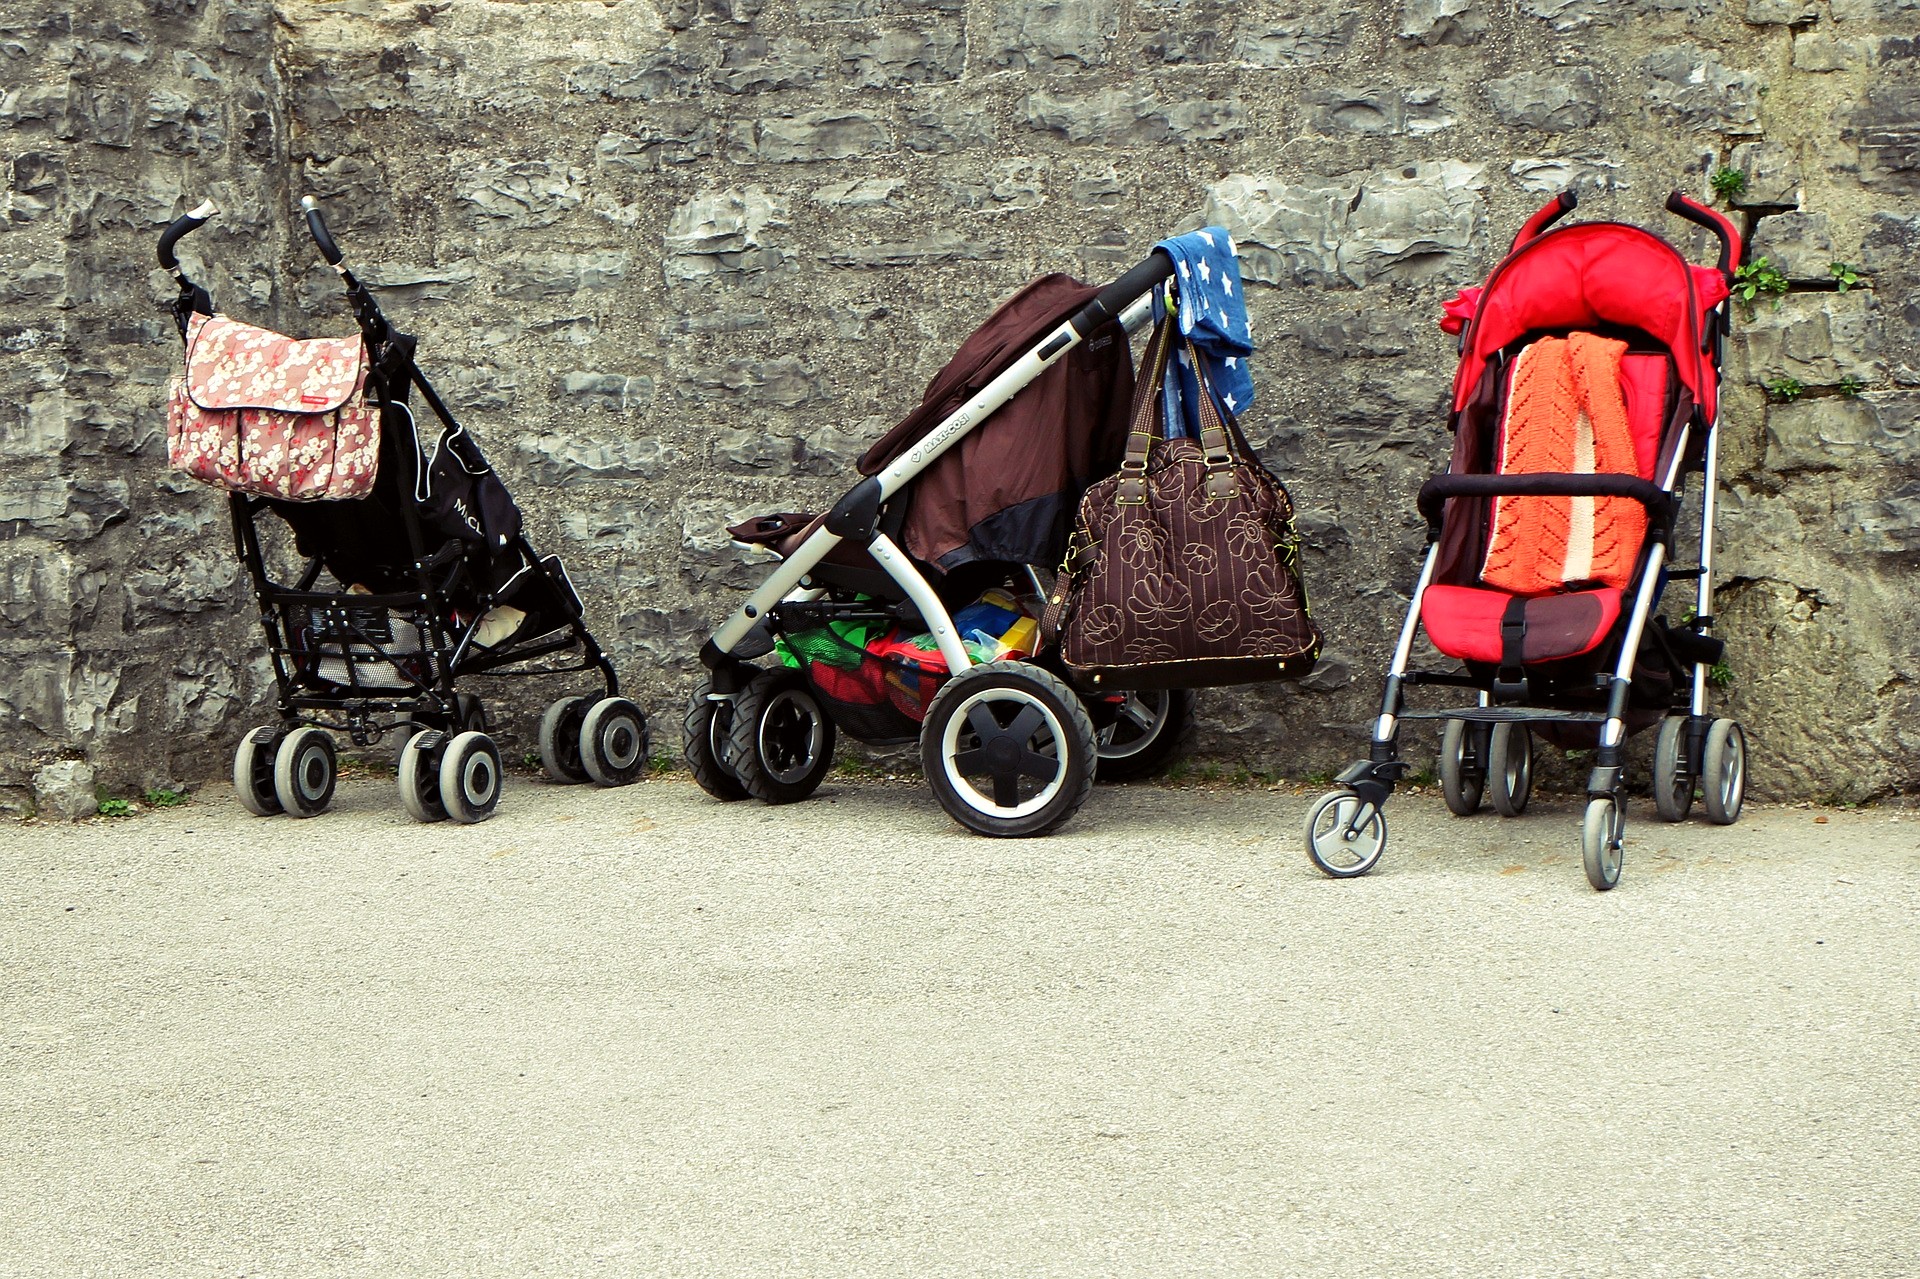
{"x": 643, "y": 1033}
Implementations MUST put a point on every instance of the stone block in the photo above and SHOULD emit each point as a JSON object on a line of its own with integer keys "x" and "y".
{"x": 1134, "y": 116}
{"x": 1285, "y": 232}
{"x": 1381, "y": 109}
{"x": 1560, "y": 100}
{"x": 756, "y": 63}
{"x": 1049, "y": 35}
{"x": 1773, "y": 174}
{"x": 924, "y": 250}
{"x": 724, "y": 233}
{"x": 555, "y": 461}
{"x": 895, "y": 55}
{"x": 1550, "y": 175}
{"x": 532, "y": 276}
{"x": 179, "y": 125}
{"x": 819, "y": 135}
{"x": 1413, "y": 222}
{"x": 1819, "y": 52}
{"x": 610, "y": 392}
{"x": 1313, "y": 37}
{"x": 1797, "y": 244}
{"x": 668, "y": 135}
{"x": 1836, "y": 433}
{"x": 1442, "y": 22}
{"x": 1688, "y": 87}
{"x": 1010, "y": 186}
{"x": 865, "y": 193}
{"x": 63, "y": 791}
{"x": 626, "y": 526}
{"x": 1186, "y": 31}
{"x": 192, "y": 581}
{"x": 517, "y": 195}
{"x": 61, "y": 510}
{"x": 1817, "y": 338}
{"x": 1368, "y": 334}
{"x": 1782, "y": 12}
{"x": 784, "y": 381}
{"x": 1886, "y": 129}
{"x": 945, "y": 121}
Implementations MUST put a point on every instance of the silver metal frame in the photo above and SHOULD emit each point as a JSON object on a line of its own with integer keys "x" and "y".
{"x": 791, "y": 576}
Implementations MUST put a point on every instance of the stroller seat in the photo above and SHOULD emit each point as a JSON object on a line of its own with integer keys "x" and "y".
{"x": 1536, "y": 537}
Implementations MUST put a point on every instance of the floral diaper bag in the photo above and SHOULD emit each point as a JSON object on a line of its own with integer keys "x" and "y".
{"x": 261, "y": 413}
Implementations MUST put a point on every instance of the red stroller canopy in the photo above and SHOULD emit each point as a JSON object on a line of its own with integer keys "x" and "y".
{"x": 1592, "y": 274}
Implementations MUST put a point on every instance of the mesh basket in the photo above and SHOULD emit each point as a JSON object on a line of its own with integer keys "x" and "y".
{"x": 346, "y": 646}
{"x": 875, "y": 697}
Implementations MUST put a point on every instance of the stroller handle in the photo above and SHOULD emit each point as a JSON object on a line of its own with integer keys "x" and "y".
{"x": 1700, "y": 215}
{"x": 184, "y": 225}
{"x": 321, "y": 236}
{"x": 1114, "y": 299}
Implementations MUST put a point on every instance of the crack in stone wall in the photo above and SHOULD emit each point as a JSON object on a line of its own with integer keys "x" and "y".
{"x": 678, "y": 263}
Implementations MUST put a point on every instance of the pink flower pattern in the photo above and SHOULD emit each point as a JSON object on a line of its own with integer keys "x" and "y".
{"x": 261, "y": 413}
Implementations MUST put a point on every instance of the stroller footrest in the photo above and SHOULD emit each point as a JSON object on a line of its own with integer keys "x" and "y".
{"x": 1510, "y": 715}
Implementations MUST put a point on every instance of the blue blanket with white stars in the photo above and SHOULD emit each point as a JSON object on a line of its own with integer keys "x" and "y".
{"x": 1211, "y": 312}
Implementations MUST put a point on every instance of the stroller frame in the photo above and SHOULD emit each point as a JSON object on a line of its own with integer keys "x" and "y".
{"x": 1346, "y": 828}
{"x": 858, "y": 517}
{"x": 357, "y": 630}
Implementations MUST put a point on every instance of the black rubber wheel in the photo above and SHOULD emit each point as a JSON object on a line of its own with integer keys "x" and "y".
{"x": 472, "y": 713}
{"x": 253, "y": 770}
{"x": 1020, "y": 732}
{"x": 304, "y": 772}
{"x": 782, "y": 739}
{"x": 1510, "y": 768}
{"x": 1723, "y": 772}
{"x": 1334, "y": 845}
{"x": 1603, "y": 835}
{"x": 705, "y": 744}
{"x": 613, "y": 742}
{"x": 1463, "y": 766}
{"x": 1150, "y": 728}
{"x": 419, "y": 776}
{"x": 560, "y": 740}
{"x": 1672, "y": 776}
{"x": 470, "y": 777}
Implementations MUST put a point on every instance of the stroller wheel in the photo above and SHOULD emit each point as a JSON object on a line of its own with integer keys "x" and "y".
{"x": 1723, "y": 772}
{"x": 419, "y": 775}
{"x": 473, "y": 714}
{"x": 253, "y": 763}
{"x": 613, "y": 741}
{"x": 1672, "y": 777}
{"x": 1008, "y": 749}
{"x": 1337, "y": 846}
{"x": 782, "y": 740}
{"x": 1149, "y": 728}
{"x": 303, "y": 772}
{"x": 1602, "y": 842}
{"x": 1463, "y": 766}
{"x": 1510, "y": 768}
{"x": 470, "y": 777}
{"x": 705, "y": 744}
{"x": 560, "y": 740}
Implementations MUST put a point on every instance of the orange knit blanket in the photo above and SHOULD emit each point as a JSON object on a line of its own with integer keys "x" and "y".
{"x": 1566, "y": 413}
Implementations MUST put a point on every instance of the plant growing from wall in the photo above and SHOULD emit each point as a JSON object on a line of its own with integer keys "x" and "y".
{"x": 1729, "y": 184}
{"x": 1785, "y": 389}
{"x": 1850, "y": 387}
{"x": 1844, "y": 276}
{"x": 1756, "y": 278}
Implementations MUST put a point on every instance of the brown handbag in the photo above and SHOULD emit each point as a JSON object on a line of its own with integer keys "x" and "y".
{"x": 1184, "y": 567}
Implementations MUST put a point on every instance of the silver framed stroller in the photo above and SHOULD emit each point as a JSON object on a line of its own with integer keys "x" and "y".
{"x": 1009, "y": 747}
{"x": 1544, "y": 564}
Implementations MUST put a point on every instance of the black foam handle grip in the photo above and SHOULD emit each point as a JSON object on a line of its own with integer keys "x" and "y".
{"x": 1435, "y": 492}
{"x": 185, "y": 224}
{"x": 318, "y": 227}
{"x": 1700, "y": 215}
{"x": 1116, "y": 297}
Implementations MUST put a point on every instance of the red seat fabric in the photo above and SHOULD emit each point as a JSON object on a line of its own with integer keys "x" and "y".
{"x": 1464, "y": 622}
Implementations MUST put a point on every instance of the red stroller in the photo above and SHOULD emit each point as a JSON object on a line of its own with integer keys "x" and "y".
{"x": 1586, "y": 393}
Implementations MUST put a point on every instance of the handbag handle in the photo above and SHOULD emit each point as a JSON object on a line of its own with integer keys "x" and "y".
{"x": 1144, "y": 430}
{"x": 1215, "y": 442}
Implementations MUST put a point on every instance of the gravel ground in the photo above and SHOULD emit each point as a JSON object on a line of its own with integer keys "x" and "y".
{"x": 640, "y": 1032}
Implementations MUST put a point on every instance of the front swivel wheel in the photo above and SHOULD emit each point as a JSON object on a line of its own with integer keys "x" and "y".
{"x": 781, "y": 738}
{"x": 1008, "y": 749}
{"x": 1603, "y": 837}
{"x": 1343, "y": 840}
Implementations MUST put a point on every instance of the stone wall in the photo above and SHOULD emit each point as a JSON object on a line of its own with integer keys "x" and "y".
{"x": 676, "y": 263}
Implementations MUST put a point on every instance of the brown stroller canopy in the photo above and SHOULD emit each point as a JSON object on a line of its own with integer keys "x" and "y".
{"x": 1008, "y": 491}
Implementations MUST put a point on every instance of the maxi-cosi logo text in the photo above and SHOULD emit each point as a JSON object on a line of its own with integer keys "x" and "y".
{"x": 940, "y": 438}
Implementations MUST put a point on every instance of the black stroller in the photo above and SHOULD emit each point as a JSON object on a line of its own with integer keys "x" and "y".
{"x": 1587, "y": 393}
{"x": 421, "y": 581}
{"x": 959, "y": 502}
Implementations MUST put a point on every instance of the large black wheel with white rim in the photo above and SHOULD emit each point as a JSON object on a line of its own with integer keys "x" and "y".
{"x": 304, "y": 772}
{"x": 559, "y": 740}
{"x": 613, "y": 741}
{"x": 1345, "y": 836}
{"x": 1464, "y": 749}
{"x": 1723, "y": 772}
{"x": 781, "y": 738}
{"x": 706, "y": 745}
{"x": 253, "y": 761}
{"x": 418, "y": 775}
{"x": 470, "y": 777}
{"x": 1148, "y": 729}
{"x": 1008, "y": 749}
{"x": 1510, "y": 768}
